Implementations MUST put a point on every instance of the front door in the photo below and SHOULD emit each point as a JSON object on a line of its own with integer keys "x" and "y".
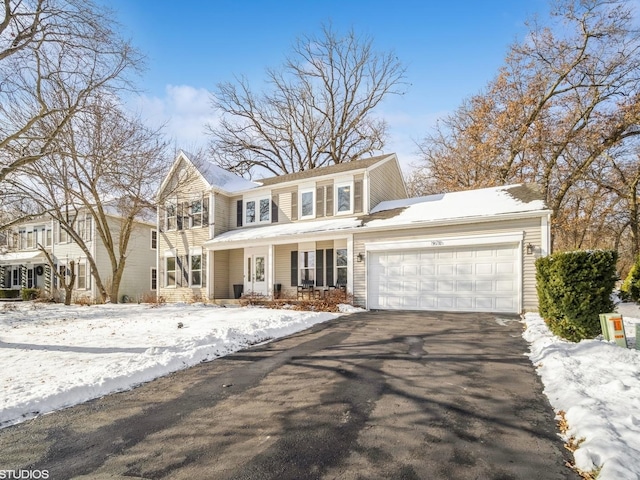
{"x": 255, "y": 280}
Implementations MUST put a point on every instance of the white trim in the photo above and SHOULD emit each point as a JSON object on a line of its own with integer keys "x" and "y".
{"x": 301, "y": 192}
{"x": 440, "y": 241}
{"x": 336, "y": 205}
{"x": 545, "y": 234}
{"x": 514, "y": 239}
{"x": 350, "y": 273}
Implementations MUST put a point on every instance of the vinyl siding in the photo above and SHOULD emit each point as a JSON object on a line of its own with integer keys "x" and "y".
{"x": 385, "y": 183}
{"x": 282, "y": 263}
{"x": 284, "y": 204}
{"x": 530, "y": 227}
{"x": 220, "y": 274}
{"x": 221, "y": 214}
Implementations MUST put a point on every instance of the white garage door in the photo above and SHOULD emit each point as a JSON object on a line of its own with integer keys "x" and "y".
{"x": 482, "y": 278}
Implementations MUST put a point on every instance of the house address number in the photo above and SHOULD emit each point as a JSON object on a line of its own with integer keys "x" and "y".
{"x": 437, "y": 243}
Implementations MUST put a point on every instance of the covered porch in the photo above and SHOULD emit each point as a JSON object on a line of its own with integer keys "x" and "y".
{"x": 295, "y": 269}
{"x": 20, "y": 270}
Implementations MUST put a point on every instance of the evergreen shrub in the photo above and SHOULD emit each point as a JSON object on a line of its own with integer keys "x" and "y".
{"x": 573, "y": 289}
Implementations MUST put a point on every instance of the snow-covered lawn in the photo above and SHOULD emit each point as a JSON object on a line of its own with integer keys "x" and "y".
{"x": 597, "y": 386}
{"x": 52, "y": 356}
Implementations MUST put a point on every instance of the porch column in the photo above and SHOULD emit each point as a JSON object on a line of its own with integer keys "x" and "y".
{"x": 23, "y": 276}
{"x": 47, "y": 278}
{"x": 350, "y": 256}
{"x": 270, "y": 270}
{"x": 1, "y": 276}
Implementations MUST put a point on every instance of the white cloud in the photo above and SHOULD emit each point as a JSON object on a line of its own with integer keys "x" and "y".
{"x": 184, "y": 110}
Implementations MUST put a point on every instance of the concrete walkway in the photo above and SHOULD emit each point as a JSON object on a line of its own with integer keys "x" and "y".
{"x": 375, "y": 395}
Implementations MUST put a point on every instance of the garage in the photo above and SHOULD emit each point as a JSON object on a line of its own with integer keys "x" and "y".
{"x": 479, "y": 278}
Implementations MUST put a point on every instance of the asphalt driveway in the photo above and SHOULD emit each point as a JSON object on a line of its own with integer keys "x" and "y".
{"x": 397, "y": 395}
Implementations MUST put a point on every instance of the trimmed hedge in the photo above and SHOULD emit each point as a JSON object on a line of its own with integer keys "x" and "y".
{"x": 630, "y": 288}
{"x": 9, "y": 293}
{"x": 30, "y": 293}
{"x": 573, "y": 289}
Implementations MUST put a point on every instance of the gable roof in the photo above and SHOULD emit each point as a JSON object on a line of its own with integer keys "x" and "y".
{"x": 212, "y": 174}
{"x": 332, "y": 169}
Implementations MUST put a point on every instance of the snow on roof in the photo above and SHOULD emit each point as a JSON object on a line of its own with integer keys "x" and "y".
{"x": 456, "y": 205}
{"x": 12, "y": 257}
{"x": 287, "y": 229}
{"x": 488, "y": 202}
{"x": 223, "y": 179}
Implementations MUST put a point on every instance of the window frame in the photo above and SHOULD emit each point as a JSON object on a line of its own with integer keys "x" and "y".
{"x": 154, "y": 279}
{"x": 81, "y": 279}
{"x": 193, "y": 272}
{"x": 307, "y": 191}
{"x": 307, "y": 263}
{"x": 167, "y": 270}
{"x": 337, "y": 188}
{"x": 344, "y": 267}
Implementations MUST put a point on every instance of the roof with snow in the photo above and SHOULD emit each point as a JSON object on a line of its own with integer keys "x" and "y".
{"x": 330, "y": 170}
{"x": 474, "y": 205}
{"x": 223, "y": 179}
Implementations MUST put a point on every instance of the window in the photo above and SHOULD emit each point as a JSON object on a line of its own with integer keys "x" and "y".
{"x": 171, "y": 216}
{"x": 265, "y": 205}
{"x": 48, "y": 237}
{"x": 171, "y": 271}
{"x": 154, "y": 279}
{"x": 341, "y": 266}
{"x": 16, "y": 277}
{"x": 86, "y": 232}
{"x": 196, "y": 270}
{"x": 307, "y": 265}
{"x": 81, "y": 281}
{"x": 30, "y": 240}
{"x": 306, "y": 204}
{"x": 258, "y": 210}
{"x": 154, "y": 239}
{"x": 182, "y": 215}
{"x": 31, "y": 278}
{"x": 23, "y": 239}
{"x": 251, "y": 212}
{"x": 344, "y": 198}
{"x": 63, "y": 236}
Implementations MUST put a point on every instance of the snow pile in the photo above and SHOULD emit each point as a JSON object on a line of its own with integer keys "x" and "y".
{"x": 597, "y": 385}
{"x": 55, "y": 356}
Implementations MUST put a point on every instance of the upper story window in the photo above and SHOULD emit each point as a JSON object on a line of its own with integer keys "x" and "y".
{"x": 187, "y": 214}
{"x": 344, "y": 197}
{"x": 154, "y": 239}
{"x": 307, "y": 203}
{"x": 257, "y": 211}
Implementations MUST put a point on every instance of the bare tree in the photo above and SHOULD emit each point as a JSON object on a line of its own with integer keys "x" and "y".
{"x": 107, "y": 165}
{"x": 319, "y": 109}
{"x": 566, "y": 96}
{"x": 53, "y": 55}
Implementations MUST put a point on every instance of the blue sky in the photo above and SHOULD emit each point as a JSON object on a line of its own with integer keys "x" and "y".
{"x": 451, "y": 50}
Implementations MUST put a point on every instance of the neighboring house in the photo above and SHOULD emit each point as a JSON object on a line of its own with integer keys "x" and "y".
{"x": 351, "y": 226}
{"x": 24, "y": 265}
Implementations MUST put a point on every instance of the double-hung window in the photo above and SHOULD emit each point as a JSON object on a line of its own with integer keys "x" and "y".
{"x": 196, "y": 270}
{"x": 171, "y": 216}
{"x": 307, "y": 203}
{"x": 341, "y": 266}
{"x": 307, "y": 266}
{"x": 170, "y": 264}
{"x": 344, "y": 198}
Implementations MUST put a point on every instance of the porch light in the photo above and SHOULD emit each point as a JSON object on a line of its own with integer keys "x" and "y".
{"x": 530, "y": 248}
{"x": 360, "y": 257}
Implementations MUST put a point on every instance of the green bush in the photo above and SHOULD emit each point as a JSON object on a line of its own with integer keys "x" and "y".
{"x": 630, "y": 289}
{"x": 9, "y": 293}
{"x": 30, "y": 293}
{"x": 573, "y": 289}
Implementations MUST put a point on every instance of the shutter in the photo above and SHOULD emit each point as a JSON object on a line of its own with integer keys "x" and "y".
{"x": 357, "y": 196}
{"x": 320, "y": 202}
{"x": 294, "y": 207}
{"x": 239, "y": 213}
{"x": 203, "y": 270}
{"x": 329, "y": 210}
{"x": 275, "y": 200}
{"x": 178, "y": 271}
{"x": 329, "y": 263}
{"x": 319, "y": 268}
{"x": 185, "y": 271}
{"x": 205, "y": 210}
{"x": 294, "y": 268}
{"x": 179, "y": 216}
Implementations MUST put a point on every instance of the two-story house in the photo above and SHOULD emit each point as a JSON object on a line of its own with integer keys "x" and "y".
{"x": 349, "y": 225}
{"x": 24, "y": 265}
